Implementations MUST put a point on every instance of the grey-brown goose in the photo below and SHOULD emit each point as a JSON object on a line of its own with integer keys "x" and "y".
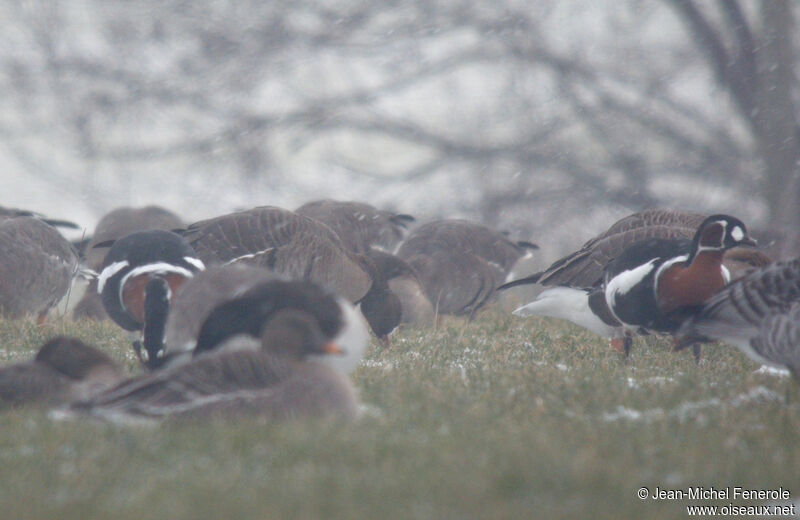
{"x": 297, "y": 247}
{"x": 460, "y": 263}
{"x": 37, "y": 266}
{"x": 360, "y": 226}
{"x": 270, "y": 377}
{"x": 14, "y": 212}
{"x": 112, "y": 226}
{"x": 403, "y": 281}
{"x": 575, "y": 280}
{"x": 758, "y": 314}
{"x": 64, "y": 370}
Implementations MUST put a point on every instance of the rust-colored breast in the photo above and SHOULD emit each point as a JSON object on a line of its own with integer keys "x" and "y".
{"x": 133, "y": 292}
{"x": 682, "y": 286}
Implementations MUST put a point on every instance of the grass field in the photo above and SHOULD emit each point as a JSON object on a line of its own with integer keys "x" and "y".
{"x": 498, "y": 418}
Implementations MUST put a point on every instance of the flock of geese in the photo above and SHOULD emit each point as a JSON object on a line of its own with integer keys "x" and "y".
{"x": 267, "y": 311}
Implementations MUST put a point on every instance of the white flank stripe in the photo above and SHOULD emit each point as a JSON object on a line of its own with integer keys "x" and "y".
{"x": 195, "y": 262}
{"x": 627, "y": 280}
{"x": 108, "y": 272}
{"x": 250, "y": 255}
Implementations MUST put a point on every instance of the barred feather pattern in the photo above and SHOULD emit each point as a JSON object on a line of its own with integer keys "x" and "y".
{"x": 37, "y": 266}
{"x": 280, "y": 240}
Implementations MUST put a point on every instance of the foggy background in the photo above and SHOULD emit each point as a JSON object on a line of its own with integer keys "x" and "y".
{"x": 549, "y": 119}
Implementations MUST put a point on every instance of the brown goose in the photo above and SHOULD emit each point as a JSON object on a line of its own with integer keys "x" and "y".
{"x": 360, "y": 226}
{"x": 14, "y": 212}
{"x": 403, "y": 281}
{"x": 64, "y": 370}
{"x": 271, "y": 377}
{"x": 114, "y": 225}
{"x": 459, "y": 263}
{"x": 297, "y": 247}
{"x": 37, "y": 266}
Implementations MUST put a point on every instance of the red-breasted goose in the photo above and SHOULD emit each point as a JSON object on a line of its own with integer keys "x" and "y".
{"x": 112, "y": 226}
{"x": 758, "y": 314}
{"x": 142, "y": 273}
{"x": 656, "y": 284}
{"x": 575, "y": 281}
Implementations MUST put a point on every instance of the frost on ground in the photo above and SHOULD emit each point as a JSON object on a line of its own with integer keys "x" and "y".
{"x": 772, "y": 371}
{"x": 688, "y": 409}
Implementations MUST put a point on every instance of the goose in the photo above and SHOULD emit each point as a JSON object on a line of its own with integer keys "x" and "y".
{"x": 271, "y": 376}
{"x": 460, "y": 263}
{"x": 574, "y": 283}
{"x": 297, "y": 247}
{"x": 198, "y": 297}
{"x": 37, "y": 267}
{"x": 657, "y": 283}
{"x": 247, "y": 313}
{"x": 361, "y": 227}
{"x": 64, "y": 369}
{"x": 403, "y": 281}
{"x": 142, "y": 273}
{"x": 14, "y": 212}
{"x": 758, "y": 314}
{"x": 112, "y": 226}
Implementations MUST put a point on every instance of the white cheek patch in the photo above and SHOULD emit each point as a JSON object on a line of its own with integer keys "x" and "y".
{"x": 108, "y": 272}
{"x": 737, "y": 233}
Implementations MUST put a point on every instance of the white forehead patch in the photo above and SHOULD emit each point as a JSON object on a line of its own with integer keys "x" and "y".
{"x": 737, "y": 233}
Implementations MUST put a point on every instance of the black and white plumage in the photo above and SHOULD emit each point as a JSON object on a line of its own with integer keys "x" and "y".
{"x": 758, "y": 314}
{"x": 270, "y": 376}
{"x": 249, "y": 312}
{"x": 297, "y": 247}
{"x": 37, "y": 267}
{"x": 460, "y": 263}
{"x": 141, "y": 274}
{"x": 112, "y": 226}
{"x": 579, "y": 275}
{"x": 360, "y": 226}
{"x": 64, "y": 370}
{"x": 200, "y": 295}
{"x": 657, "y": 283}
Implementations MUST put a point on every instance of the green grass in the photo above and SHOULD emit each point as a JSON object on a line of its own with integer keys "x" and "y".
{"x": 498, "y": 418}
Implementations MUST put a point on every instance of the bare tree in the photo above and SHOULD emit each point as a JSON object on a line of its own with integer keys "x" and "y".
{"x": 754, "y": 58}
{"x": 520, "y": 124}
